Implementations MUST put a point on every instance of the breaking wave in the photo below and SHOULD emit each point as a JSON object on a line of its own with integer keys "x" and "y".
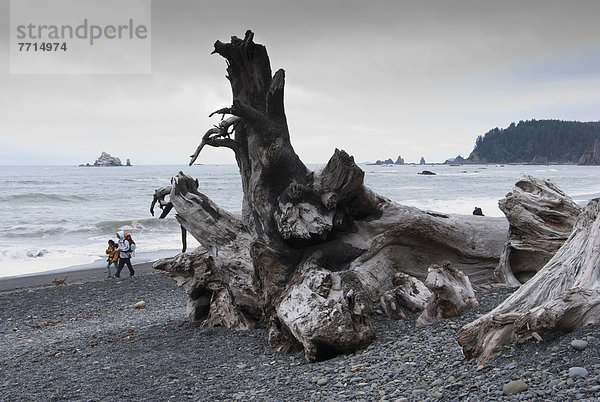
{"x": 138, "y": 225}
{"x": 43, "y": 198}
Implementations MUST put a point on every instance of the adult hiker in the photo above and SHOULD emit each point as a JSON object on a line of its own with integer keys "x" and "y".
{"x": 125, "y": 252}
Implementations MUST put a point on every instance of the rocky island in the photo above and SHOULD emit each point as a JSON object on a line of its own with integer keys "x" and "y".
{"x": 106, "y": 159}
{"x": 399, "y": 161}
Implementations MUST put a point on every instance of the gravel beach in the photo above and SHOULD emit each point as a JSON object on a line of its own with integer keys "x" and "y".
{"x": 86, "y": 341}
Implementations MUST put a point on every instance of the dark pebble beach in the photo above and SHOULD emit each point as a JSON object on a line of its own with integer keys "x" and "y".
{"x": 86, "y": 341}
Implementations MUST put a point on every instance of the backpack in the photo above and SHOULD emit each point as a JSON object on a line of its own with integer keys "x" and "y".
{"x": 130, "y": 241}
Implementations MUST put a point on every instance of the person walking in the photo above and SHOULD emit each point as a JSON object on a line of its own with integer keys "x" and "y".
{"x": 113, "y": 257}
{"x": 125, "y": 251}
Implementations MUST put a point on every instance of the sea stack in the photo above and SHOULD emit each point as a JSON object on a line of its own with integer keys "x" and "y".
{"x": 106, "y": 159}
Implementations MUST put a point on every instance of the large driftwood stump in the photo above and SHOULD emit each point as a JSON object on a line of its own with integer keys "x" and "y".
{"x": 563, "y": 296}
{"x": 541, "y": 217}
{"x": 311, "y": 250}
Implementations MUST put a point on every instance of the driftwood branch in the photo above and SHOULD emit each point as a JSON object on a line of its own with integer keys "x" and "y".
{"x": 166, "y": 206}
{"x": 218, "y": 136}
{"x": 159, "y": 196}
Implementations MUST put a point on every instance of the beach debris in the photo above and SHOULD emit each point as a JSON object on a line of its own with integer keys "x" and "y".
{"x": 306, "y": 307}
{"x": 50, "y": 323}
{"x": 563, "y": 296}
{"x": 60, "y": 282}
{"x": 452, "y": 294}
{"x": 408, "y": 293}
{"x": 357, "y": 367}
{"x": 37, "y": 253}
{"x": 140, "y": 304}
{"x": 541, "y": 217}
{"x": 311, "y": 249}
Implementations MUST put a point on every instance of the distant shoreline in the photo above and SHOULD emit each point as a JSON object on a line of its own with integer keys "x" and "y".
{"x": 308, "y": 164}
{"x": 476, "y": 164}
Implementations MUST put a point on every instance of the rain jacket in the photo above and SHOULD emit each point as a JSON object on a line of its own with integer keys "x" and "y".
{"x": 113, "y": 253}
{"x": 124, "y": 250}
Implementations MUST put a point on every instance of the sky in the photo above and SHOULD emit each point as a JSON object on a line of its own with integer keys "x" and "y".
{"x": 378, "y": 79}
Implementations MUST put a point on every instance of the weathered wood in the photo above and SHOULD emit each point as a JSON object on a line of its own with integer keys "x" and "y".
{"x": 167, "y": 206}
{"x": 541, "y": 217}
{"x": 218, "y": 136}
{"x": 452, "y": 294}
{"x": 311, "y": 251}
{"x": 216, "y": 297}
{"x": 159, "y": 196}
{"x": 326, "y": 313}
{"x": 563, "y": 296}
{"x": 408, "y": 293}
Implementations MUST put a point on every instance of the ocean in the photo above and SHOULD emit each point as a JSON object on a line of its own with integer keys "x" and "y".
{"x": 59, "y": 218}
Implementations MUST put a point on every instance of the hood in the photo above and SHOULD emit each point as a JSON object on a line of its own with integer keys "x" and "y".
{"x": 121, "y": 234}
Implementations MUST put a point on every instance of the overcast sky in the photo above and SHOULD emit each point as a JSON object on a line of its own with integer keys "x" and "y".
{"x": 378, "y": 79}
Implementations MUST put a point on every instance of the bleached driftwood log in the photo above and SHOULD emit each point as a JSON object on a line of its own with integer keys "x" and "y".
{"x": 408, "y": 293}
{"x": 563, "y": 296}
{"x": 452, "y": 294}
{"x": 311, "y": 250}
{"x": 541, "y": 217}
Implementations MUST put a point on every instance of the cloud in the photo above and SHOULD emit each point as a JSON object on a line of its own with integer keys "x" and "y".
{"x": 377, "y": 79}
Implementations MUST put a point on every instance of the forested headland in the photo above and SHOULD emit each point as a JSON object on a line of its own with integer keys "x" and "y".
{"x": 536, "y": 141}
